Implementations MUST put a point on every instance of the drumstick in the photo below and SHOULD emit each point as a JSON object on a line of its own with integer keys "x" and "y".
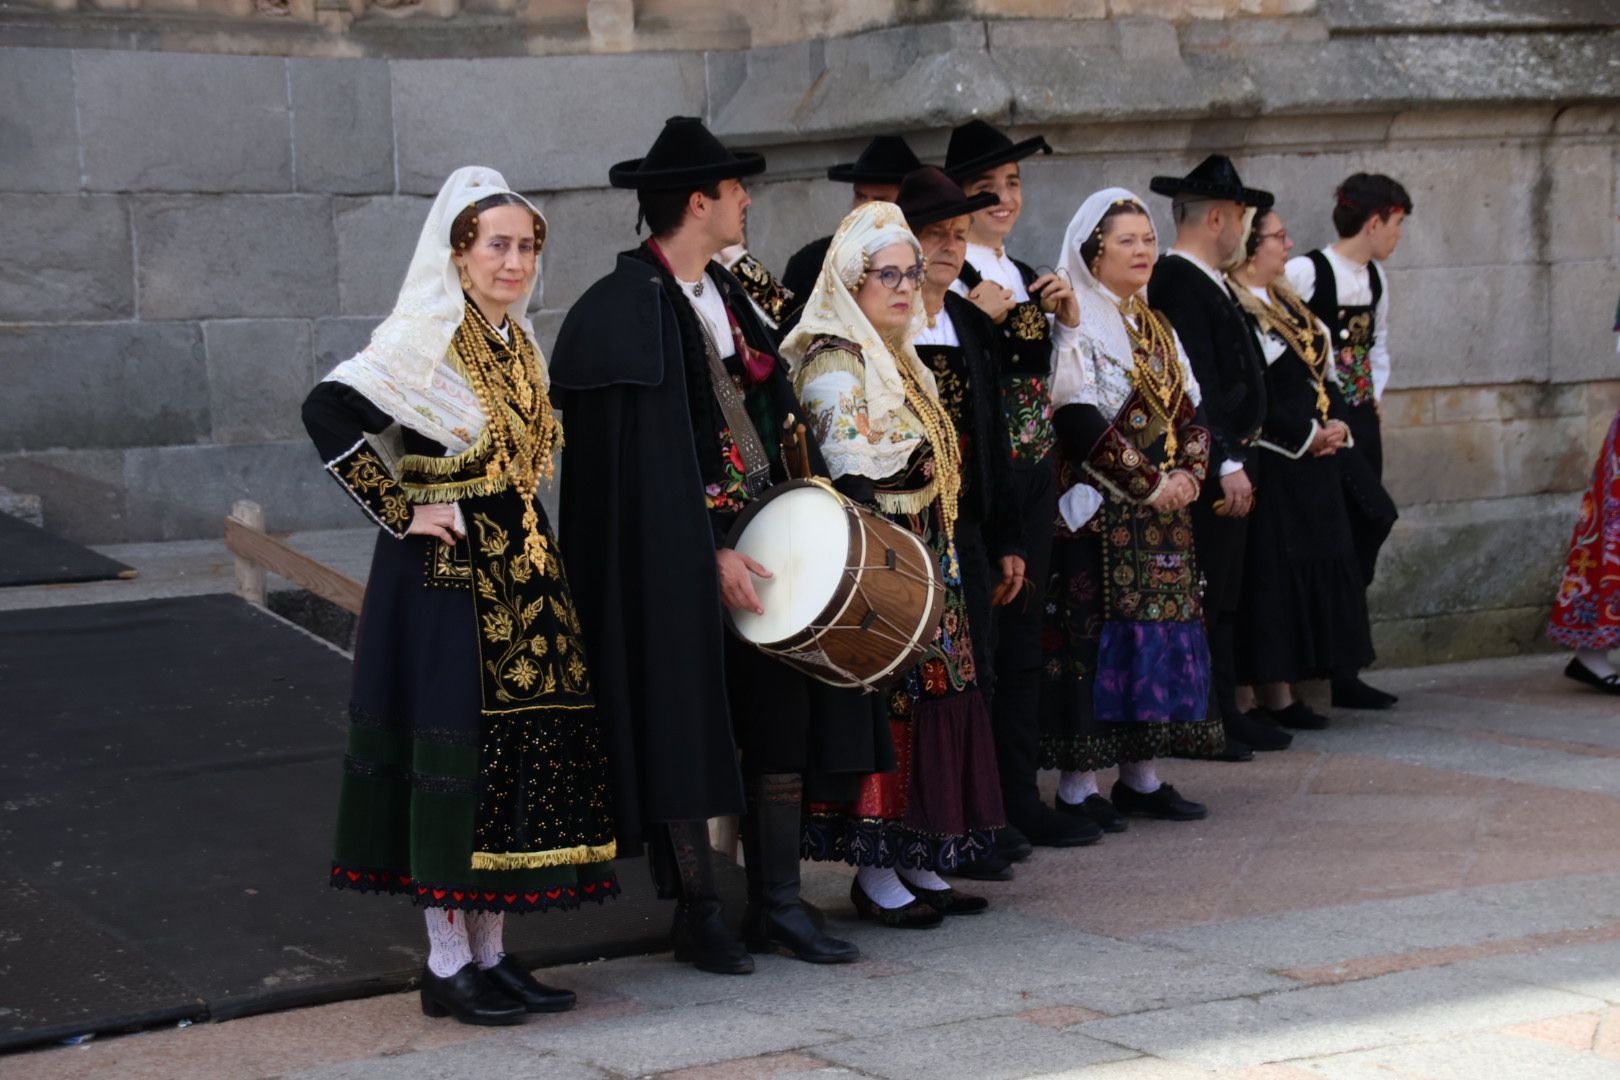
{"x": 796, "y": 452}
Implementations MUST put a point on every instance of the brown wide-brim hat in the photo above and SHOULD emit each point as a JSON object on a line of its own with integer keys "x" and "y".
{"x": 685, "y": 155}
{"x": 1215, "y": 178}
{"x": 927, "y": 195}
{"x": 977, "y": 147}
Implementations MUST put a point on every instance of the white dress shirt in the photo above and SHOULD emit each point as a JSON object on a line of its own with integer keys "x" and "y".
{"x": 1354, "y": 281}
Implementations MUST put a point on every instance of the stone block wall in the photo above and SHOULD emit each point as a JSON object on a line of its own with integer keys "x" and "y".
{"x": 193, "y": 239}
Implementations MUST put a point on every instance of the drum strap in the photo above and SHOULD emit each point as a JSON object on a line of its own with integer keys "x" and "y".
{"x": 756, "y": 463}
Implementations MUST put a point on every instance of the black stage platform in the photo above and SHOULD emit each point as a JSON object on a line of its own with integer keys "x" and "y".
{"x": 167, "y": 793}
{"x": 31, "y": 556}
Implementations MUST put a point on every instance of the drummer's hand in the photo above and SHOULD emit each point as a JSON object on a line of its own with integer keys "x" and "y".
{"x": 1012, "y": 579}
{"x": 436, "y": 520}
{"x": 737, "y": 573}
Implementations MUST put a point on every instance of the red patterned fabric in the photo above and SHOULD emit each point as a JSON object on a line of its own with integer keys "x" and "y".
{"x": 1587, "y": 613}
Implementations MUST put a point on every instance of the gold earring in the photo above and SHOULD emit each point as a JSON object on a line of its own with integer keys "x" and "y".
{"x": 466, "y": 282}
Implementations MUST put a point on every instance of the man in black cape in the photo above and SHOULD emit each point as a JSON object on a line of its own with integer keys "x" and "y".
{"x": 674, "y": 401}
{"x": 875, "y": 176}
{"x": 1189, "y": 288}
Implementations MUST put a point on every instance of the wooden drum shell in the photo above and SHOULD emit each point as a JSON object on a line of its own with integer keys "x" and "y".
{"x": 885, "y": 610}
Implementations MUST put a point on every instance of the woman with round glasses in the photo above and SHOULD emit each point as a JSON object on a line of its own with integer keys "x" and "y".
{"x": 889, "y": 443}
{"x": 1304, "y": 613}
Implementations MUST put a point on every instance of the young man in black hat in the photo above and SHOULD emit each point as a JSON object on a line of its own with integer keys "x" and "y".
{"x": 1345, "y": 286}
{"x": 1031, "y": 314}
{"x": 1188, "y": 286}
{"x": 875, "y": 176}
{"x": 963, "y": 348}
{"x": 675, "y": 400}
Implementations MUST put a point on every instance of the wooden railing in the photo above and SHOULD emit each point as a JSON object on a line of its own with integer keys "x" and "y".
{"x": 257, "y": 552}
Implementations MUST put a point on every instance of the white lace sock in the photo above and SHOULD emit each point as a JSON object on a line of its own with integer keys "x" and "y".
{"x": 448, "y": 951}
{"x": 884, "y": 887}
{"x": 484, "y": 937}
{"x": 1077, "y": 787}
{"x": 1596, "y": 661}
{"x": 1139, "y": 776}
{"x": 923, "y": 879}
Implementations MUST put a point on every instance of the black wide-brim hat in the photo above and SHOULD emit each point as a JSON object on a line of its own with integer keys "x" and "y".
{"x": 1215, "y": 178}
{"x": 685, "y": 155}
{"x": 927, "y": 195}
{"x": 977, "y": 147}
{"x": 886, "y": 160}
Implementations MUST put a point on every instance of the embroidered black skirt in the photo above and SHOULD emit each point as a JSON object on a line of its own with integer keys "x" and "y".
{"x": 413, "y": 779}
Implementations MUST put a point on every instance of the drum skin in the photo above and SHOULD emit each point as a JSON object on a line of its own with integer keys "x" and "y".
{"x": 884, "y": 611}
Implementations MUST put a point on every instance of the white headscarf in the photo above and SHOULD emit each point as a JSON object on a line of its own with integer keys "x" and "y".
{"x": 832, "y": 310}
{"x": 1098, "y": 374}
{"x": 1099, "y": 310}
{"x": 403, "y": 370}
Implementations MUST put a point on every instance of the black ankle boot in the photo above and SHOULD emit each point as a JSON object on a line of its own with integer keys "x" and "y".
{"x": 776, "y": 917}
{"x": 469, "y": 997}
{"x": 701, "y": 936}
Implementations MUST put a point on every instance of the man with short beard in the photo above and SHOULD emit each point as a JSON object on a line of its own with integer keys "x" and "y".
{"x": 675, "y": 400}
{"x": 1209, "y": 204}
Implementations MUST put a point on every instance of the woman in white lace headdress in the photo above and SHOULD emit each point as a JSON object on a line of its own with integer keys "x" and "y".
{"x": 475, "y": 781}
{"x": 1128, "y": 665}
{"x": 889, "y": 443}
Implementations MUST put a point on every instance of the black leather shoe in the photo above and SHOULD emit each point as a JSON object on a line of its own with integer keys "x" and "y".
{"x": 1352, "y": 693}
{"x": 1097, "y": 809}
{"x": 1012, "y": 844}
{"x": 1048, "y": 828}
{"x": 469, "y": 997}
{"x": 1165, "y": 803}
{"x": 1609, "y": 684}
{"x": 514, "y": 980}
{"x": 991, "y": 867}
{"x": 1258, "y": 730}
{"x": 949, "y": 901}
{"x": 790, "y": 928}
{"x": 1302, "y": 717}
{"x": 703, "y": 939}
{"x": 914, "y": 916}
{"x": 1235, "y": 750}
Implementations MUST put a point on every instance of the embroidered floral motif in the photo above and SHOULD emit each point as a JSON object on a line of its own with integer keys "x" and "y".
{"x": 1354, "y": 360}
{"x": 1027, "y": 322}
{"x": 449, "y": 567}
{"x": 731, "y": 493}
{"x": 508, "y": 610}
{"x": 363, "y": 474}
{"x": 762, "y": 287}
{"x": 1028, "y": 405}
{"x": 1149, "y": 572}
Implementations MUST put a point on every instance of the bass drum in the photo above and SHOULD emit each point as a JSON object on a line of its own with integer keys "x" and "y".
{"x": 854, "y": 599}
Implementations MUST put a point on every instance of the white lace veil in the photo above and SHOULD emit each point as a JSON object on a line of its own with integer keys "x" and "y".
{"x": 403, "y": 370}
{"x": 832, "y": 309}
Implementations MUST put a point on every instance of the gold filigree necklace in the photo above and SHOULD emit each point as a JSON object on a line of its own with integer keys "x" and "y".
{"x": 1156, "y": 371}
{"x": 1287, "y": 316}
{"x": 524, "y": 433}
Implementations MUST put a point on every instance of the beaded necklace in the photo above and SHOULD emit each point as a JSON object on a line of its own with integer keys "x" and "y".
{"x": 1156, "y": 371}
{"x": 524, "y": 433}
